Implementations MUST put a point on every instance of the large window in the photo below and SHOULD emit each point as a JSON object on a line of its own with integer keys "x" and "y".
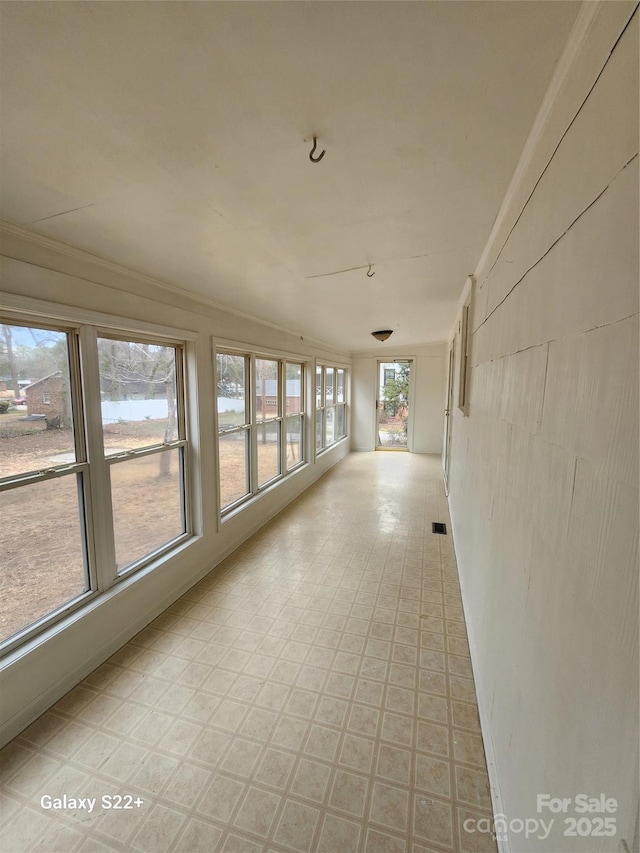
{"x": 331, "y": 421}
{"x": 260, "y": 404}
{"x": 92, "y": 466}
{"x": 43, "y": 471}
{"x": 144, "y": 442}
{"x": 294, "y": 410}
{"x": 268, "y": 419}
{"x": 234, "y": 422}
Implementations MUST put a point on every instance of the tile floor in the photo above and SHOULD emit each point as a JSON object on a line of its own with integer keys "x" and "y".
{"x": 312, "y": 693}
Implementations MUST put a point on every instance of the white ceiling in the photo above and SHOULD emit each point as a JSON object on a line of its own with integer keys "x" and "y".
{"x": 174, "y": 138}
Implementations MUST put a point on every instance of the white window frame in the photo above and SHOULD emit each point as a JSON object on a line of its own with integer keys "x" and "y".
{"x": 253, "y": 424}
{"x": 323, "y": 408}
{"x": 299, "y": 414}
{"x": 82, "y": 328}
{"x": 180, "y": 444}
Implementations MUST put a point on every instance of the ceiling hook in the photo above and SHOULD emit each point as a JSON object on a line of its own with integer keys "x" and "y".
{"x": 369, "y": 273}
{"x": 313, "y": 150}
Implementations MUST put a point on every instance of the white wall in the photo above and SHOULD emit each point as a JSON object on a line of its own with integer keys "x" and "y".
{"x": 76, "y": 286}
{"x": 426, "y": 404}
{"x": 544, "y": 471}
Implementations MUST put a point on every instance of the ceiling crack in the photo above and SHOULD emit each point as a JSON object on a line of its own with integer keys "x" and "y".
{"x": 384, "y": 261}
{"x": 62, "y": 213}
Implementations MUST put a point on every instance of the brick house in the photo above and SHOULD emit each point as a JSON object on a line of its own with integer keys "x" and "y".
{"x": 49, "y": 396}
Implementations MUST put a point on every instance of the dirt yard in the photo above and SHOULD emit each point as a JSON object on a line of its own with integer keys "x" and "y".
{"x": 40, "y": 545}
{"x": 41, "y": 565}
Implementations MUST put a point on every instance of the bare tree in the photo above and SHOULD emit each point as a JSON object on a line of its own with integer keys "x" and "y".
{"x": 130, "y": 367}
{"x": 7, "y": 339}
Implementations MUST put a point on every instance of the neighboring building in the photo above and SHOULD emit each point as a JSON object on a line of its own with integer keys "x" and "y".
{"x": 49, "y": 396}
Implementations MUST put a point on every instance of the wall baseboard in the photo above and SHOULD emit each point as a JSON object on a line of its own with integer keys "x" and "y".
{"x": 497, "y": 801}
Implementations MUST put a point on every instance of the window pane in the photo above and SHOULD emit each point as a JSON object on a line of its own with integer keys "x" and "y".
{"x": 267, "y": 389}
{"x": 319, "y": 444}
{"x": 231, "y": 392}
{"x": 294, "y": 388}
{"x": 36, "y": 423}
{"x": 328, "y": 384}
{"x": 329, "y": 427}
{"x": 41, "y": 543}
{"x": 233, "y": 454}
{"x": 146, "y": 494}
{"x": 340, "y": 386}
{"x": 318, "y": 386}
{"x": 294, "y": 441}
{"x": 340, "y": 421}
{"x": 138, "y": 390}
{"x": 268, "y": 451}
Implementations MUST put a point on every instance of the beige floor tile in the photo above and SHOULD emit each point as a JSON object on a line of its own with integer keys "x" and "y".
{"x": 311, "y": 780}
{"x": 381, "y": 842}
{"x": 158, "y": 830}
{"x": 337, "y": 833}
{"x": 394, "y": 764}
{"x": 472, "y": 787}
{"x": 465, "y": 716}
{"x": 257, "y": 811}
{"x": 349, "y": 793}
{"x": 390, "y": 806}
{"x": 296, "y": 827}
{"x": 433, "y": 738}
{"x": 433, "y": 775}
{"x": 472, "y": 834}
{"x": 322, "y": 742}
{"x": 221, "y": 797}
{"x": 433, "y": 820}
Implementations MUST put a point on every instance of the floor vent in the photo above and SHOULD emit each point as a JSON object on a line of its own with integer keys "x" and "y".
{"x": 438, "y": 527}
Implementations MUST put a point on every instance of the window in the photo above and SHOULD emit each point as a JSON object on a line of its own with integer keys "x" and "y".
{"x": 143, "y": 431}
{"x": 234, "y": 423}
{"x": 260, "y": 435}
{"x": 294, "y": 411}
{"x": 341, "y": 403}
{"x": 53, "y": 554}
{"x": 268, "y": 419}
{"x": 43, "y": 485}
{"x": 331, "y": 423}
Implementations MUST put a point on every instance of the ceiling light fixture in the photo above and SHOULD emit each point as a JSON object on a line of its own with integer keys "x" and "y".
{"x": 382, "y": 334}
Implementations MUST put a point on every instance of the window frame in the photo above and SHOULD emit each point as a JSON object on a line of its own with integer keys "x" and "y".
{"x": 262, "y": 422}
{"x": 91, "y": 468}
{"x": 244, "y": 427}
{"x": 300, "y": 413}
{"x": 255, "y": 423}
{"x": 180, "y": 444}
{"x": 326, "y": 407}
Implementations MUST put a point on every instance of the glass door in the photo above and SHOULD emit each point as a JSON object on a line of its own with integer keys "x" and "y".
{"x": 392, "y": 406}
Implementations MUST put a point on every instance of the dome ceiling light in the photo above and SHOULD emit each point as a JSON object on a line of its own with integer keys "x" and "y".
{"x": 382, "y": 334}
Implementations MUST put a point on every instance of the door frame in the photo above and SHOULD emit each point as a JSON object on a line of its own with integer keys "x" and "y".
{"x": 411, "y": 361}
{"x": 448, "y": 415}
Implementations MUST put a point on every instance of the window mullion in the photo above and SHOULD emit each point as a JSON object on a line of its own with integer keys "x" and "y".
{"x": 99, "y": 512}
{"x": 253, "y": 431}
{"x": 281, "y": 409}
